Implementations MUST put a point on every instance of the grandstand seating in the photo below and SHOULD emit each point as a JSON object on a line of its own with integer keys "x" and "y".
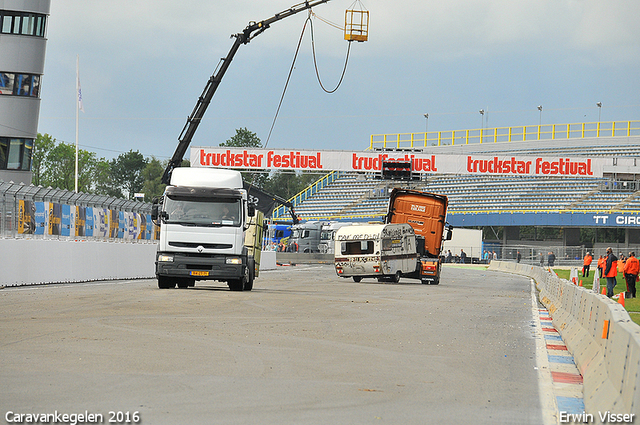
{"x": 360, "y": 196}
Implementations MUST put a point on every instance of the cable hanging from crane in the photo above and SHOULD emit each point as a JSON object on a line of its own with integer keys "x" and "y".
{"x": 315, "y": 62}
{"x": 293, "y": 63}
{"x": 348, "y": 31}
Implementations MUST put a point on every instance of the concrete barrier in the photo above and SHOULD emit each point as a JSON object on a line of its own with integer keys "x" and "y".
{"x": 303, "y": 258}
{"x": 38, "y": 261}
{"x": 600, "y": 335}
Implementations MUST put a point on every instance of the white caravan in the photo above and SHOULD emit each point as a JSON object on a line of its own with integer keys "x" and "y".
{"x": 383, "y": 251}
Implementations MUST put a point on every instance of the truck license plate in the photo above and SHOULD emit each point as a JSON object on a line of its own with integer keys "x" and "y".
{"x": 199, "y": 273}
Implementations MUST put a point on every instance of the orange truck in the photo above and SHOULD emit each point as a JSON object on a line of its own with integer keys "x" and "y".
{"x": 426, "y": 213}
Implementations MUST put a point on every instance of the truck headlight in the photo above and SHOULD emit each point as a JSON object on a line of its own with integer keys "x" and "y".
{"x": 234, "y": 260}
{"x": 163, "y": 258}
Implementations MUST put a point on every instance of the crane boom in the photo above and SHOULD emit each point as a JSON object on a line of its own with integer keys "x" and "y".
{"x": 249, "y": 33}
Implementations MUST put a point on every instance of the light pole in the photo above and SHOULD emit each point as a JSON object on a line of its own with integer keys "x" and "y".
{"x": 540, "y": 109}
{"x": 482, "y": 128}
{"x": 426, "y": 128}
{"x": 599, "y": 105}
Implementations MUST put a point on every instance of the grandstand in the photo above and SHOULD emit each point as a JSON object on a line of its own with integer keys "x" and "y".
{"x": 355, "y": 196}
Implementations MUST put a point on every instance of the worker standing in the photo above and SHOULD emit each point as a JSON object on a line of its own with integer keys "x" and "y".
{"x": 586, "y": 264}
{"x": 631, "y": 269}
{"x": 611, "y": 271}
{"x": 602, "y": 263}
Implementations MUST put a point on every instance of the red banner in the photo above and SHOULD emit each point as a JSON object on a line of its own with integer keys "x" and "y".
{"x": 311, "y": 160}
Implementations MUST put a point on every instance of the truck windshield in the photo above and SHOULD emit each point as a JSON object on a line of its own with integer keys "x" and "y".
{"x": 205, "y": 212}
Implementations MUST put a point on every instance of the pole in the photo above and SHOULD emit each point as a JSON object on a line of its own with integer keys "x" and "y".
{"x": 77, "y": 114}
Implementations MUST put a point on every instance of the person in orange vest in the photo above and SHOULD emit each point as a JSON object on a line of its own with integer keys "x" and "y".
{"x": 621, "y": 261}
{"x": 631, "y": 269}
{"x": 602, "y": 262}
{"x": 611, "y": 271}
{"x": 586, "y": 264}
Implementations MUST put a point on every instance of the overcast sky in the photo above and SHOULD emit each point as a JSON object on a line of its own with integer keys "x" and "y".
{"x": 144, "y": 63}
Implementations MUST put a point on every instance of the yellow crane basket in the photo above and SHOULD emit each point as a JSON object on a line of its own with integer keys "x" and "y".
{"x": 356, "y": 25}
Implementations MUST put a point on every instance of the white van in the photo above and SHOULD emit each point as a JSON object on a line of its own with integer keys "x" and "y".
{"x": 383, "y": 251}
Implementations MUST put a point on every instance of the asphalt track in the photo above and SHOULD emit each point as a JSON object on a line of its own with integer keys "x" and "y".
{"x": 304, "y": 347}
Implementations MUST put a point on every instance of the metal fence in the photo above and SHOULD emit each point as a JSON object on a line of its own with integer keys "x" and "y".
{"x": 505, "y": 134}
{"x": 28, "y": 211}
{"x": 564, "y": 256}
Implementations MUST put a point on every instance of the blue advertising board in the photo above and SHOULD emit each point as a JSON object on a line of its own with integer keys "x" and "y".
{"x": 546, "y": 219}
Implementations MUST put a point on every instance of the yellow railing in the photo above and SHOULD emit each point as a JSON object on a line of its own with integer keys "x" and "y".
{"x": 506, "y": 134}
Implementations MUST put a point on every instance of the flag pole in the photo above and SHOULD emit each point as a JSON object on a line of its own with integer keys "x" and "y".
{"x": 78, "y": 100}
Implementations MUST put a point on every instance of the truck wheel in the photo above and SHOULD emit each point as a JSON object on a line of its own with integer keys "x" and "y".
{"x": 165, "y": 282}
{"x": 396, "y": 277}
{"x": 248, "y": 285}
{"x": 436, "y": 281}
{"x": 357, "y": 279}
{"x": 185, "y": 283}
{"x": 236, "y": 284}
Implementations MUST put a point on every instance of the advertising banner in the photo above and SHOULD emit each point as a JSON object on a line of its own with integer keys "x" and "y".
{"x": 371, "y": 161}
{"x": 81, "y": 221}
{"x": 55, "y": 217}
{"x": 42, "y": 218}
{"x": 546, "y": 219}
{"x": 142, "y": 220}
{"x": 66, "y": 228}
{"x": 113, "y": 223}
{"x": 148, "y": 227}
{"x": 88, "y": 225}
{"x": 122, "y": 225}
{"x": 101, "y": 222}
{"x": 26, "y": 217}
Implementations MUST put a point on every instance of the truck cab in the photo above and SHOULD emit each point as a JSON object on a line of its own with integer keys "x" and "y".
{"x": 203, "y": 216}
{"x": 305, "y": 237}
{"x": 426, "y": 213}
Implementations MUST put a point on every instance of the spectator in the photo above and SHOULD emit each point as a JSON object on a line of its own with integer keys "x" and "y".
{"x": 551, "y": 259}
{"x": 611, "y": 271}
{"x": 586, "y": 264}
{"x": 541, "y": 255}
{"x": 449, "y": 257}
{"x": 518, "y": 257}
{"x": 631, "y": 269}
{"x": 463, "y": 256}
{"x": 602, "y": 262}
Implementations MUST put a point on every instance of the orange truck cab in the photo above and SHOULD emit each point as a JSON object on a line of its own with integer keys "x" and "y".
{"x": 426, "y": 213}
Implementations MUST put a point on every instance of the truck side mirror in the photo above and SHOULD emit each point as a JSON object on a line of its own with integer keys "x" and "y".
{"x": 449, "y": 234}
{"x": 251, "y": 210}
{"x": 154, "y": 211}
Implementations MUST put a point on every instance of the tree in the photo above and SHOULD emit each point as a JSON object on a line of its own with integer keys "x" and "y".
{"x": 104, "y": 180}
{"x": 152, "y": 175}
{"x": 126, "y": 171}
{"x": 248, "y": 139}
{"x": 41, "y": 147}
{"x": 243, "y": 139}
{"x": 287, "y": 184}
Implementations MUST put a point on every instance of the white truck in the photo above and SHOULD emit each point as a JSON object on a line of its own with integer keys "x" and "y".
{"x": 467, "y": 240}
{"x": 382, "y": 251}
{"x": 203, "y": 218}
{"x": 328, "y": 236}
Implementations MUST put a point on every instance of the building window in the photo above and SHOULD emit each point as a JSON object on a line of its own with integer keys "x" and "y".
{"x": 19, "y": 84}
{"x": 15, "y": 154}
{"x": 21, "y": 23}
